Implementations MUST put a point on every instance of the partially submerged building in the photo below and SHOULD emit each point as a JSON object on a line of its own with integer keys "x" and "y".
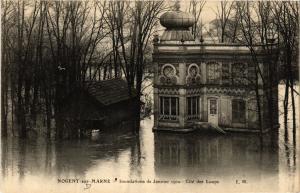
{"x": 196, "y": 83}
{"x": 104, "y": 105}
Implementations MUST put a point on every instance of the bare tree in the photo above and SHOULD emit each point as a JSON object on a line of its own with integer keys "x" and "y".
{"x": 73, "y": 44}
{"x": 249, "y": 30}
{"x": 112, "y": 18}
{"x": 260, "y": 24}
{"x": 195, "y": 8}
{"x": 267, "y": 33}
{"x": 49, "y": 48}
{"x": 134, "y": 23}
{"x": 25, "y": 28}
{"x": 223, "y": 14}
{"x": 6, "y": 13}
{"x": 287, "y": 22}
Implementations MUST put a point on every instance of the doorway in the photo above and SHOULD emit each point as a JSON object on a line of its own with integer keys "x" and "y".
{"x": 213, "y": 111}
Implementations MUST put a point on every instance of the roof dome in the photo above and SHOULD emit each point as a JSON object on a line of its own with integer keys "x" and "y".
{"x": 177, "y": 20}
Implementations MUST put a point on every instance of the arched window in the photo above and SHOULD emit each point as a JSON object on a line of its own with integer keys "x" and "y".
{"x": 193, "y": 70}
{"x": 168, "y": 71}
{"x": 213, "y": 73}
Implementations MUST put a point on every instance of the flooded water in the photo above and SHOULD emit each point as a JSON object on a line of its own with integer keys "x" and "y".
{"x": 152, "y": 162}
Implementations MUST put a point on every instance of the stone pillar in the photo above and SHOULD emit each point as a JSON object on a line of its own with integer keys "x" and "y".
{"x": 182, "y": 73}
{"x": 182, "y": 107}
{"x": 203, "y": 73}
{"x": 220, "y": 72}
{"x": 156, "y": 107}
{"x": 204, "y": 106}
{"x": 155, "y": 68}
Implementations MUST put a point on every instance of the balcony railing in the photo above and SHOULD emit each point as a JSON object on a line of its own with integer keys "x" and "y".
{"x": 169, "y": 117}
{"x": 192, "y": 117}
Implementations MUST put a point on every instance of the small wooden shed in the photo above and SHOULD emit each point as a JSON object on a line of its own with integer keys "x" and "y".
{"x": 103, "y": 105}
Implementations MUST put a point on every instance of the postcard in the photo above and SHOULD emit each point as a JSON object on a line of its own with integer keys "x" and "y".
{"x": 170, "y": 96}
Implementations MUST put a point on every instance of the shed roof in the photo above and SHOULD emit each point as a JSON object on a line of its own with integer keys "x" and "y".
{"x": 109, "y": 91}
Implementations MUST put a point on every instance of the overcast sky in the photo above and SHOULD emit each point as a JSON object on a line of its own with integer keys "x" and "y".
{"x": 208, "y": 13}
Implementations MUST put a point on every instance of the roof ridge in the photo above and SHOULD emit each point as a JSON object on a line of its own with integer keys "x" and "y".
{"x": 109, "y": 91}
{"x": 106, "y": 80}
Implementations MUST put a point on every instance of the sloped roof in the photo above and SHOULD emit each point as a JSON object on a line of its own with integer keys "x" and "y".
{"x": 109, "y": 91}
{"x": 83, "y": 110}
{"x": 177, "y": 35}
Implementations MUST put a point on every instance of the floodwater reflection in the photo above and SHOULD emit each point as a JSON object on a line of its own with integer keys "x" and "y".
{"x": 200, "y": 155}
{"x": 240, "y": 162}
{"x": 60, "y": 158}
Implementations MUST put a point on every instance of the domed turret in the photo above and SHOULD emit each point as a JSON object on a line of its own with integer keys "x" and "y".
{"x": 177, "y": 25}
{"x": 177, "y": 20}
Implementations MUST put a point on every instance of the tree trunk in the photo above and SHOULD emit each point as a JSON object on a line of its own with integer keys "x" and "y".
{"x": 258, "y": 100}
{"x": 48, "y": 115}
{"x": 285, "y": 110}
{"x": 293, "y": 109}
{"x": 4, "y": 106}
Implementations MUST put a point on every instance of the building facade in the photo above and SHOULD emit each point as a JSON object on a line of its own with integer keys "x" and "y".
{"x": 196, "y": 82}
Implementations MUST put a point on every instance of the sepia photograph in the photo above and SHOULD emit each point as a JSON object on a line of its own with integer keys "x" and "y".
{"x": 149, "y": 96}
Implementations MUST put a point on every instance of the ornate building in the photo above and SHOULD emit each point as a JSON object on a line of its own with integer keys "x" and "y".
{"x": 196, "y": 83}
